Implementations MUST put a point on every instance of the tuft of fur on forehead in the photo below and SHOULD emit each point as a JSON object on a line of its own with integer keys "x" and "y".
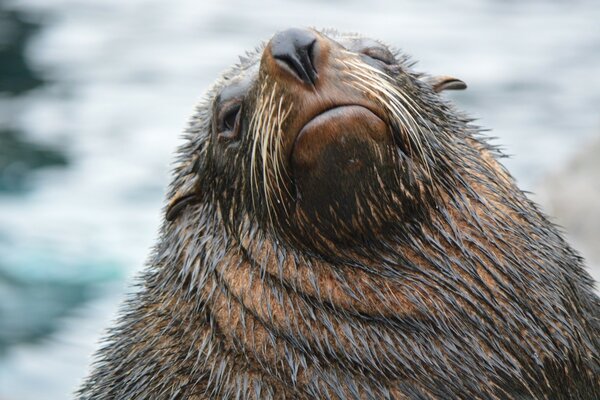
{"x": 447, "y": 282}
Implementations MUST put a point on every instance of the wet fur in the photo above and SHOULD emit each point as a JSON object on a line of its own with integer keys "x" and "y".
{"x": 456, "y": 285}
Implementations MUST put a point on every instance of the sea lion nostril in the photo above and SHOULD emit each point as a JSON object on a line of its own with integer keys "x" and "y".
{"x": 294, "y": 50}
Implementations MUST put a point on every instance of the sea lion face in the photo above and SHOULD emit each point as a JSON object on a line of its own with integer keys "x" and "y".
{"x": 318, "y": 134}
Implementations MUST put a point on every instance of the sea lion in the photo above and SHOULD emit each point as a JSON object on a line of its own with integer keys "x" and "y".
{"x": 337, "y": 230}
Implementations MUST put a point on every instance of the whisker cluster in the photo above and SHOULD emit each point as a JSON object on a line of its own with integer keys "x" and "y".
{"x": 401, "y": 108}
{"x": 267, "y": 140}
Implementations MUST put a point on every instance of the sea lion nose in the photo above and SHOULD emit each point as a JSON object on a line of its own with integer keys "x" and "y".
{"x": 294, "y": 51}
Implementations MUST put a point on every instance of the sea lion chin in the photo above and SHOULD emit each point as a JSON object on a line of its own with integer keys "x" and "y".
{"x": 333, "y": 152}
{"x": 335, "y": 229}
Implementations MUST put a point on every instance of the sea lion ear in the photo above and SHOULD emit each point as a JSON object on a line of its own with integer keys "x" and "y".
{"x": 186, "y": 195}
{"x": 445, "y": 82}
{"x": 177, "y": 205}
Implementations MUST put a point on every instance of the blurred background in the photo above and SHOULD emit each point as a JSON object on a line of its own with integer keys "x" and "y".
{"x": 95, "y": 93}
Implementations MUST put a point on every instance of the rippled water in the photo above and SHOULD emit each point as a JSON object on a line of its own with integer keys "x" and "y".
{"x": 113, "y": 82}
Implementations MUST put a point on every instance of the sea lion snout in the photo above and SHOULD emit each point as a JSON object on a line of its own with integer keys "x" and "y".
{"x": 308, "y": 68}
{"x": 294, "y": 51}
{"x": 336, "y": 136}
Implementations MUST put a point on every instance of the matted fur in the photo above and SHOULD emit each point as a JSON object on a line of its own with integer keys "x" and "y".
{"x": 447, "y": 283}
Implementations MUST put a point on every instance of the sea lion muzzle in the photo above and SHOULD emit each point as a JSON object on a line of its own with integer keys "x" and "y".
{"x": 294, "y": 50}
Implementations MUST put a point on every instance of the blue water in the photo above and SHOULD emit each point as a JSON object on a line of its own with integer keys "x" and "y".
{"x": 120, "y": 79}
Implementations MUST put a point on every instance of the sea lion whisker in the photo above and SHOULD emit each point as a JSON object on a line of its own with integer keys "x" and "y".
{"x": 417, "y": 111}
{"x": 276, "y": 145}
{"x": 271, "y": 176}
{"x": 267, "y": 134}
{"x": 255, "y": 127}
{"x": 409, "y": 101}
{"x": 397, "y": 111}
{"x": 381, "y": 81}
{"x": 261, "y": 128}
{"x": 281, "y": 117}
{"x": 377, "y": 88}
{"x": 278, "y": 149}
{"x": 393, "y": 99}
{"x": 260, "y": 133}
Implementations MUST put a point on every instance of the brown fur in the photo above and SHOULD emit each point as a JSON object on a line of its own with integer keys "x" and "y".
{"x": 438, "y": 279}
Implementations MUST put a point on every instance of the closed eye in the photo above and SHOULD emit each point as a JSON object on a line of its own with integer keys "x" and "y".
{"x": 228, "y": 124}
{"x": 379, "y": 54}
{"x": 230, "y": 117}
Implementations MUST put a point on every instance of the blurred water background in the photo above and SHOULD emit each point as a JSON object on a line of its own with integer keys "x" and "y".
{"x": 94, "y": 95}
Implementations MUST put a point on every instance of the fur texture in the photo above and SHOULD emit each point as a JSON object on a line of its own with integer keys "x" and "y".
{"x": 447, "y": 282}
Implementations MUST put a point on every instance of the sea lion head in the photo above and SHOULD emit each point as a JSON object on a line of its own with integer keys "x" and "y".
{"x": 321, "y": 138}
